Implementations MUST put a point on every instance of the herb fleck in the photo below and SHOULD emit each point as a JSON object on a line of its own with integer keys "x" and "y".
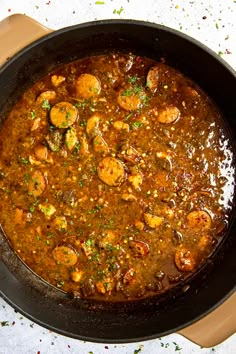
{"x": 118, "y": 12}
{"x": 33, "y": 114}
{"x": 132, "y": 79}
{"x": 4, "y": 323}
{"x": 31, "y": 209}
{"x": 137, "y": 124}
{"x": 46, "y": 105}
{"x": 177, "y": 347}
{"x": 24, "y": 161}
{"x": 26, "y": 178}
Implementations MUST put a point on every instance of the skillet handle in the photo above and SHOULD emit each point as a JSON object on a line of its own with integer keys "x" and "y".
{"x": 16, "y": 32}
{"x": 214, "y": 328}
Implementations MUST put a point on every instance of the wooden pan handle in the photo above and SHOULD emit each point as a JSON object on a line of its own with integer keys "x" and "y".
{"x": 214, "y": 328}
{"x": 16, "y": 32}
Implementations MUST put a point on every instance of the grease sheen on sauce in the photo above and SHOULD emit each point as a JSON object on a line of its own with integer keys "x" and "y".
{"x": 116, "y": 177}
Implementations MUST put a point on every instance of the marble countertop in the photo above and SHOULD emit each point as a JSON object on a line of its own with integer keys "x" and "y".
{"x": 212, "y": 22}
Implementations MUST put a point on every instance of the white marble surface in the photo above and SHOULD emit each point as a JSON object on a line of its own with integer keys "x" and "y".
{"x": 213, "y": 22}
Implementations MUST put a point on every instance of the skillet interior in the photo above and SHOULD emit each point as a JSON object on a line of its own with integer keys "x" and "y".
{"x": 151, "y": 317}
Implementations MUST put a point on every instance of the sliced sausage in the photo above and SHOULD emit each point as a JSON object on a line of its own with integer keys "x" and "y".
{"x": 129, "y": 100}
{"x": 111, "y": 171}
{"x": 87, "y": 86}
{"x": 65, "y": 255}
{"x": 63, "y": 114}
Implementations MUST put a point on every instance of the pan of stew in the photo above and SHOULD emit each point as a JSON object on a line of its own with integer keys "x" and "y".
{"x": 117, "y": 180}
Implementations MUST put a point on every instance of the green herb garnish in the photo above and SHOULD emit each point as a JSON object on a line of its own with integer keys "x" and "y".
{"x": 24, "y": 161}
{"x": 33, "y": 114}
{"x": 46, "y": 105}
{"x": 137, "y": 124}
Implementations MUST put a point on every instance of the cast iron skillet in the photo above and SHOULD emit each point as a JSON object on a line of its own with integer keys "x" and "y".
{"x": 153, "y": 317}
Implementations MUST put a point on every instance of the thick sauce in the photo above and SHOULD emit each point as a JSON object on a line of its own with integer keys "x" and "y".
{"x": 116, "y": 177}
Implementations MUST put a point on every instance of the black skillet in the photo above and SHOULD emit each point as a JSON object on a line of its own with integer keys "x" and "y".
{"x": 209, "y": 287}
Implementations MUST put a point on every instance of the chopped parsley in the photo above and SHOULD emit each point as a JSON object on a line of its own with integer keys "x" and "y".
{"x": 31, "y": 209}
{"x": 4, "y": 323}
{"x": 177, "y": 347}
{"x": 46, "y": 105}
{"x": 89, "y": 243}
{"x": 128, "y": 92}
{"x": 129, "y": 116}
{"x": 68, "y": 114}
{"x": 33, "y": 114}
{"x": 96, "y": 209}
{"x": 82, "y": 123}
{"x": 136, "y": 351}
{"x": 26, "y": 178}
{"x": 136, "y": 90}
{"x": 76, "y": 149}
{"x": 118, "y": 12}
{"x": 81, "y": 104}
{"x": 60, "y": 283}
{"x": 137, "y": 124}
{"x": 132, "y": 79}
{"x": 93, "y": 169}
{"x": 95, "y": 257}
{"x": 24, "y": 161}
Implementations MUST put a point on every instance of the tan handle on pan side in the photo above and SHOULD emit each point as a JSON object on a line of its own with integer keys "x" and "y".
{"x": 16, "y": 32}
{"x": 214, "y": 328}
